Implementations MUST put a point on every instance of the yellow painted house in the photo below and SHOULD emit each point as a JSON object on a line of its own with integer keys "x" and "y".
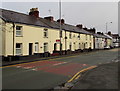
{"x": 32, "y": 36}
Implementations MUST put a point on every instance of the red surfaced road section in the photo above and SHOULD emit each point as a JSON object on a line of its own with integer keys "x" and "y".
{"x": 38, "y": 64}
{"x": 67, "y": 69}
{"x": 56, "y": 67}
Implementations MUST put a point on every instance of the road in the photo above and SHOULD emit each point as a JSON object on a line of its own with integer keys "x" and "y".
{"x": 53, "y": 72}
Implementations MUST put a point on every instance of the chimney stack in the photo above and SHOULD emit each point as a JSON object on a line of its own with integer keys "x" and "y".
{"x": 85, "y": 28}
{"x": 100, "y": 33}
{"x": 61, "y": 20}
{"x": 109, "y": 33}
{"x": 34, "y": 12}
{"x": 50, "y": 18}
{"x": 80, "y": 26}
{"x": 91, "y": 30}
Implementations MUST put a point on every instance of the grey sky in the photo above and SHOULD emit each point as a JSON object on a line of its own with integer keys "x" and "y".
{"x": 90, "y": 14}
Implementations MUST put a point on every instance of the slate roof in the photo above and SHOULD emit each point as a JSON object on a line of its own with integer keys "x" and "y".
{"x": 115, "y": 35}
{"x": 12, "y": 16}
{"x": 107, "y": 36}
{"x": 72, "y": 28}
{"x": 16, "y": 17}
{"x": 99, "y": 36}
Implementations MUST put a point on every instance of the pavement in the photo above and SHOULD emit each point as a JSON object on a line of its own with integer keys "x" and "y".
{"x": 50, "y": 73}
{"x": 103, "y": 77}
{"x": 6, "y": 63}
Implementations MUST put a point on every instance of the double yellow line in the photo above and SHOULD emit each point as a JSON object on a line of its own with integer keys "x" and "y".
{"x": 36, "y": 61}
{"x": 77, "y": 75}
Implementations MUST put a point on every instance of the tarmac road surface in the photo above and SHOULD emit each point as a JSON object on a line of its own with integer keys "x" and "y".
{"x": 50, "y": 73}
{"x": 103, "y": 77}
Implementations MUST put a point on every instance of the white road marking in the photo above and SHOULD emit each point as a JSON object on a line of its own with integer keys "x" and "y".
{"x": 18, "y": 66}
{"x": 27, "y": 67}
{"x": 59, "y": 63}
{"x": 34, "y": 69}
{"x": 84, "y": 64}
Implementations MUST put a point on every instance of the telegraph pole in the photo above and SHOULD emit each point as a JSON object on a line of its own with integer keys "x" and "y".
{"x": 60, "y": 26}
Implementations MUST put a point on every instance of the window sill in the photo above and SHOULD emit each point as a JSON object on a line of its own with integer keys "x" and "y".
{"x": 45, "y": 37}
{"x": 18, "y": 54}
{"x": 19, "y": 36}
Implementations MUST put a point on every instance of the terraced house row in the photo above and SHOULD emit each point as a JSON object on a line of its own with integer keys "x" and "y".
{"x": 30, "y": 36}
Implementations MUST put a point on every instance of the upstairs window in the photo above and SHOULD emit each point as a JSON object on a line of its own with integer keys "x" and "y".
{"x": 79, "y": 36}
{"x": 18, "y": 30}
{"x": 70, "y": 35}
{"x": 74, "y": 35}
{"x": 45, "y": 33}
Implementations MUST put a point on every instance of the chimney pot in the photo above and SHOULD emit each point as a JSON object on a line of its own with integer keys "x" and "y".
{"x": 100, "y": 33}
{"x": 109, "y": 33}
{"x": 62, "y": 21}
{"x": 34, "y": 12}
{"x": 80, "y": 26}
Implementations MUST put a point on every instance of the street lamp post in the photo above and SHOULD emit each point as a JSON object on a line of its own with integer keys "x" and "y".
{"x": 107, "y": 26}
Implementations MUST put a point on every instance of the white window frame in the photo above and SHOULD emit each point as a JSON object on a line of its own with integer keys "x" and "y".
{"x": 19, "y": 34}
{"x": 45, "y": 46}
{"x": 19, "y": 49}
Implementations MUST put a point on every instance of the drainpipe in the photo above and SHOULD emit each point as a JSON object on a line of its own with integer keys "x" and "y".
{"x": 65, "y": 43}
{"x": 13, "y": 37}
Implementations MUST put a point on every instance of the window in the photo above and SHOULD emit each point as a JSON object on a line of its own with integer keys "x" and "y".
{"x": 45, "y": 33}
{"x": 70, "y": 46}
{"x": 18, "y": 30}
{"x": 36, "y": 47}
{"x": 79, "y": 36}
{"x": 74, "y": 45}
{"x": 74, "y": 35}
{"x": 86, "y": 44}
{"x": 70, "y": 35}
{"x": 90, "y": 37}
{"x": 90, "y": 45}
{"x": 18, "y": 49}
{"x": 45, "y": 47}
